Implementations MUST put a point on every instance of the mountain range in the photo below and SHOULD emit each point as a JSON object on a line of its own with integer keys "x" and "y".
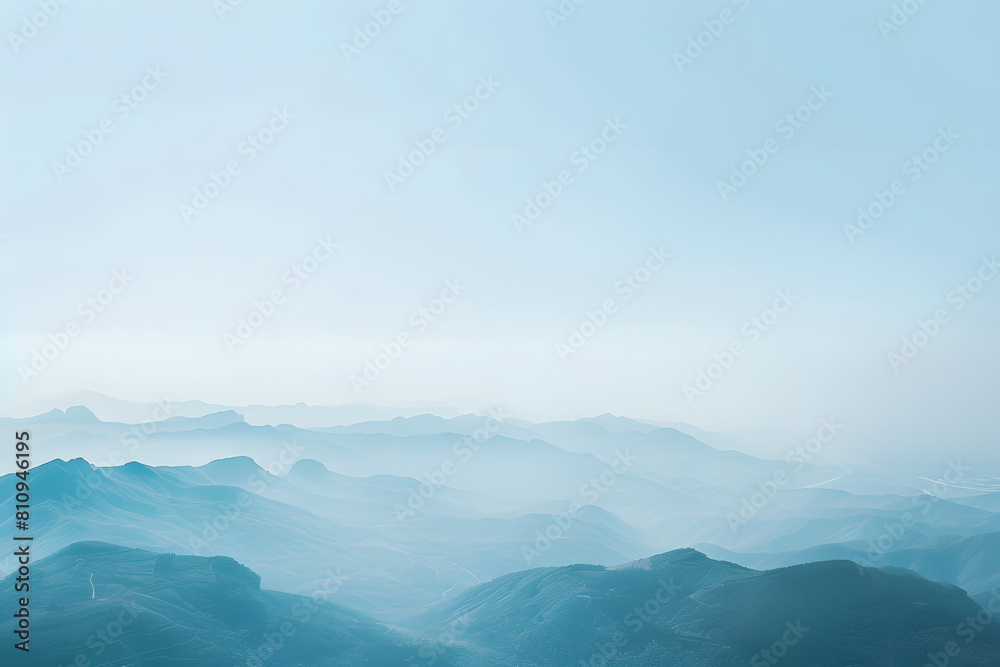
{"x": 119, "y": 606}
{"x": 478, "y": 526}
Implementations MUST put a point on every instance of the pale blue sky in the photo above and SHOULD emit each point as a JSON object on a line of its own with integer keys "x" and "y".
{"x": 655, "y": 185}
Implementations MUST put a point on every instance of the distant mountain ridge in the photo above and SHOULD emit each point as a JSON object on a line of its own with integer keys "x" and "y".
{"x": 448, "y": 503}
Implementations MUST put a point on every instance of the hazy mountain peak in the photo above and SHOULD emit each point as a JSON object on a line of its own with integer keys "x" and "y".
{"x": 233, "y": 464}
{"x": 76, "y": 467}
{"x": 213, "y": 420}
{"x": 136, "y": 468}
{"x": 80, "y": 412}
{"x": 91, "y": 547}
{"x": 618, "y": 424}
{"x": 309, "y": 468}
{"x": 76, "y": 413}
{"x": 685, "y": 556}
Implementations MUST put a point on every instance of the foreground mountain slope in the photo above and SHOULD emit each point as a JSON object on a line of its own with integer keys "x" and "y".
{"x": 119, "y": 606}
{"x": 681, "y": 608}
{"x": 116, "y": 606}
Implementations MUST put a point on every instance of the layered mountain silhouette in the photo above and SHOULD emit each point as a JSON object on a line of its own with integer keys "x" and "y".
{"x": 121, "y": 606}
{"x": 292, "y": 528}
{"x": 461, "y": 540}
{"x": 968, "y": 562}
{"x": 443, "y": 504}
{"x": 681, "y": 608}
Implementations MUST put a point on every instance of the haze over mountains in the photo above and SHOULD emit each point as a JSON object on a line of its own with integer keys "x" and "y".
{"x": 683, "y": 608}
{"x": 541, "y": 333}
{"x": 114, "y": 605}
{"x": 118, "y": 606}
{"x": 434, "y": 524}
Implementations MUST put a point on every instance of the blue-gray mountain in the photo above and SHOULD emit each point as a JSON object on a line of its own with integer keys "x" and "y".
{"x": 101, "y": 604}
{"x": 448, "y": 503}
{"x": 418, "y": 512}
{"x": 681, "y": 608}
{"x": 116, "y": 606}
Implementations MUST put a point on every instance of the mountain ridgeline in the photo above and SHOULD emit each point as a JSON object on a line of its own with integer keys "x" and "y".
{"x": 114, "y": 605}
{"x": 485, "y": 540}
